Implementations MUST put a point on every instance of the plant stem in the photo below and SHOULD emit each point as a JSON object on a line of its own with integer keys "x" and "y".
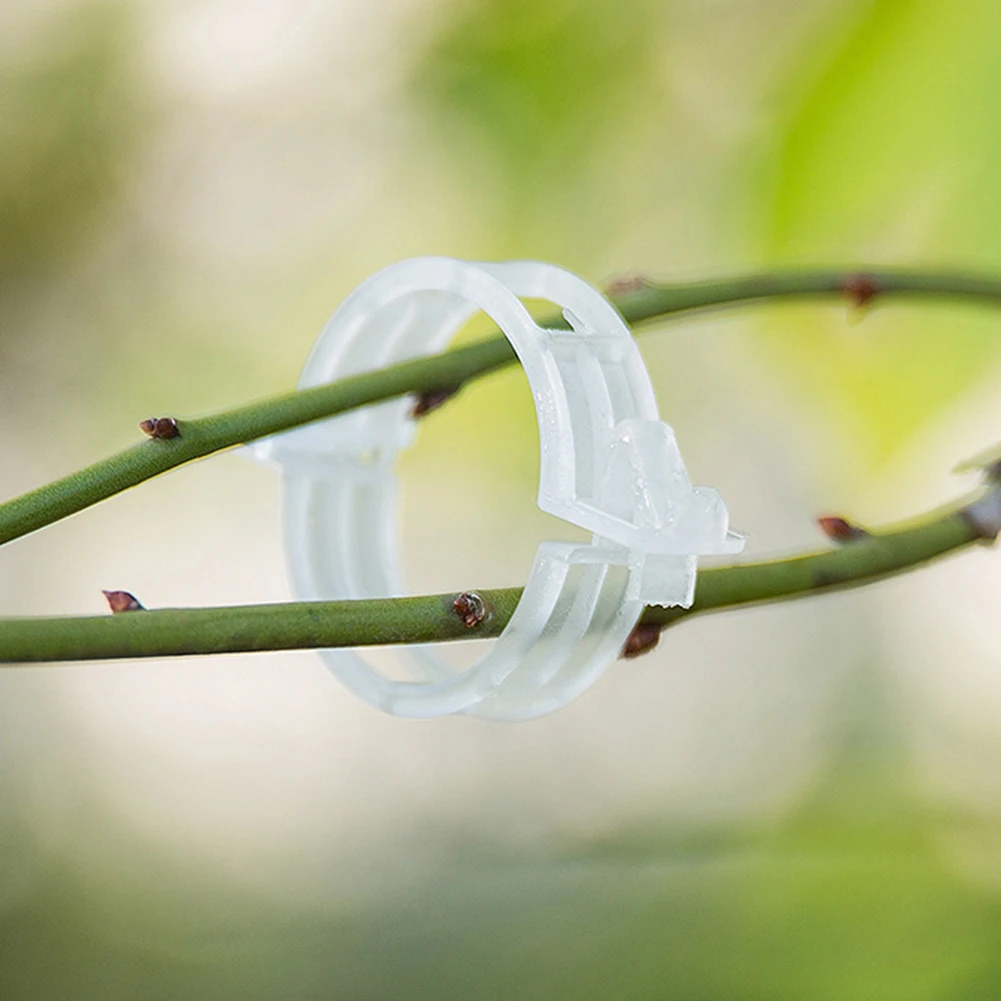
{"x": 430, "y": 618}
{"x": 641, "y": 303}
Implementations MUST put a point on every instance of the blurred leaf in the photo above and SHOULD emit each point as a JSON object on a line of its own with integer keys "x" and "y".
{"x": 526, "y": 95}
{"x": 848, "y": 900}
{"x": 890, "y": 156}
{"x": 68, "y": 117}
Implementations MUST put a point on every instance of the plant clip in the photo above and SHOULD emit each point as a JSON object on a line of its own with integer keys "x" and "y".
{"x": 608, "y": 464}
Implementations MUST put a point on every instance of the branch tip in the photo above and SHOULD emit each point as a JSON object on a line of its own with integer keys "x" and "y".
{"x": 122, "y": 601}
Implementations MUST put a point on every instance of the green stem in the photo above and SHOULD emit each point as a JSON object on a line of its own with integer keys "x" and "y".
{"x": 645, "y": 302}
{"x": 311, "y": 625}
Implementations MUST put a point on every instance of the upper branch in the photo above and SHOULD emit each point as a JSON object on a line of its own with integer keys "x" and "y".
{"x": 640, "y": 302}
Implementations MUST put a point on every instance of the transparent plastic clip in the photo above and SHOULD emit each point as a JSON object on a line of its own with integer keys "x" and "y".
{"x": 608, "y": 464}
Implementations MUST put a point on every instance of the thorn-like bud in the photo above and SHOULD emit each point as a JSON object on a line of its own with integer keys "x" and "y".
{"x": 431, "y": 400}
{"x": 838, "y": 530}
{"x": 160, "y": 428}
{"x": 644, "y": 637}
{"x": 625, "y": 284}
{"x": 122, "y": 601}
{"x": 471, "y": 608}
{"x": 859, "y": 290}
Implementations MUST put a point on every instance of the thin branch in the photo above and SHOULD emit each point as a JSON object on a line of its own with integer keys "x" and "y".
{"x": 309, "y": 625}
{"x": 640, "y": 302}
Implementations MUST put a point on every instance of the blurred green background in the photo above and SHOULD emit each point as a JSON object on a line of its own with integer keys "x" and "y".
{"x": 789, "y": 802}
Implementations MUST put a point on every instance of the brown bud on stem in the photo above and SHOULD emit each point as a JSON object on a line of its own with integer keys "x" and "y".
{"x": 431, "y": 400}
{"x": 625, "y": 284}
{"x": 471, "y": 608}
{"x": 859, "y": 290}
{"x": 122, "y": 601}
{"x": 160, "y": 428}
{"x": 837, "y": 529}
{"x": 644, "y": 637}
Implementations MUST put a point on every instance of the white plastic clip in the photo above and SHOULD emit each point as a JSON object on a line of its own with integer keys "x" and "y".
{"x": 608, "y": 464}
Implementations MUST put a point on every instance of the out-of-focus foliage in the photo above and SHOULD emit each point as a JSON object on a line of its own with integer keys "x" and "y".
{"x": 795, "y": 802}
{"x": 69, "y": 116}
{"x": 889, "y": 156}
{"x": 529, "y": 98}
{"x": 858, "y": 900}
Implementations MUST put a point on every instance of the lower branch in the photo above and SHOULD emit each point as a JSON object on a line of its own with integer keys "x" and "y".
{"x": 867, "y": 557}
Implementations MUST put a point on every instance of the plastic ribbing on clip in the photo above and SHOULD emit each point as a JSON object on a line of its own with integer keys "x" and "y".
{"x": 608, "y": 464}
